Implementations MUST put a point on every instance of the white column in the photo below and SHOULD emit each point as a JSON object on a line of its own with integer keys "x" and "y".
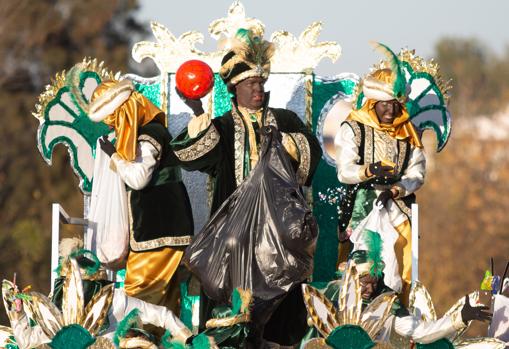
{"x": 55, "y": 238}
{"x": 415, "y": 242}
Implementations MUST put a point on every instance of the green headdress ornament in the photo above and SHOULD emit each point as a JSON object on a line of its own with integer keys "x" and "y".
{"x": 387, "y": 83}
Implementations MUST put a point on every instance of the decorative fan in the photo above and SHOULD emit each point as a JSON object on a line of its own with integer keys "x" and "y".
{"x": 348, "y": 326}
{"x": 76, "y": 323}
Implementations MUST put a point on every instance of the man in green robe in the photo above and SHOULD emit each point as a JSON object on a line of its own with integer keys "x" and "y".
{"x": 227, "y": 147}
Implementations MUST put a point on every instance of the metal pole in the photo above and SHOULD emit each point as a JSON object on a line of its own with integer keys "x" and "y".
{"x": 415, "y": 242}
{"x": 58, "y": 215}
{"x": 55, "y": 238}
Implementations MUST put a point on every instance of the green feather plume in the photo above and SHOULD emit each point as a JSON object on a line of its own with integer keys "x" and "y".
{"x": 251, "y": 48}
{"x": 374, "y": 245}
{"x": 236, "y": 301}
{"x": 166, "y": 340}
{"x": 241, "y": 299}
{"x": 399, "y": 86}
{"x": 201, "y": 341}
{"x": 129, "y": 321}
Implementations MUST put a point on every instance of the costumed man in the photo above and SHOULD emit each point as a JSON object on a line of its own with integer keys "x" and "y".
{"x": 160, "y": 216}
{"x": 401, "y": 324}
{"x": 93, "y": 279}
{"x": 379, "y": 156}
{"x": 227, "y": 147}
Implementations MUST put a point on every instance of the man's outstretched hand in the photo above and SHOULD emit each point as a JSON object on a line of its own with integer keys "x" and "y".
{"x": 107, "y": 146}
{"x": 194, "y": 104}
{"x": 469, "y": 312}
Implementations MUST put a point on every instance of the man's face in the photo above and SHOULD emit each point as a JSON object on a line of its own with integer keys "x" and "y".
{"x": 368, "y": 286}
{"x": 251, "y": 93}
{"x": 387, "y": 111}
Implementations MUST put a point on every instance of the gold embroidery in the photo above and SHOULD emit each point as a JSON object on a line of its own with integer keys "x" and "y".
{"x": 305, "y": 157}
{"x": 403, "y": 149}
{"x": 155, "y": 243}
{"x": 239, "y": 140}
{"x": 238, "y": 145}
{"x": 369, "y": 146}
{"x": 201, "y": 147}
{"x": 356, "y": 131}
{"x": 154, "y": 143}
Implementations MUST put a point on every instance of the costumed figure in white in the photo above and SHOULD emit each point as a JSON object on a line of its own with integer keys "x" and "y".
{"x": 380, "y": 157}
{"x": 364, "y": 301}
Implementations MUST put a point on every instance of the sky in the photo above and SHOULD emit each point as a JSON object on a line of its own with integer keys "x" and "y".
{"x": 398, "y": 23}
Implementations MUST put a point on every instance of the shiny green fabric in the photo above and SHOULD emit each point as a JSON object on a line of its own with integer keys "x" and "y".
{"x": 166, "y": 175}
{"x": 363, "y": 206}
{"x": 349, "y": 337}
{"x": 186, "y": 304}
{"x": 325, "y": 178}
{"x": 439, "y": 344}
{"x": 72, "y": 337}
{"x": 227, "y": 337}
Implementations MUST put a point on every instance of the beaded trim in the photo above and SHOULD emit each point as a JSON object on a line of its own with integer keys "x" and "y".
{"x": 154, "y": 143}
{"x": 201, "y": 147}
{"x": 155, "y": 243}
{"x": 305, "y": 157}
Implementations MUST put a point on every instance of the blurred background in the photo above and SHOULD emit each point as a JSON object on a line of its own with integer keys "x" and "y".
{"x": 463, "y": 204}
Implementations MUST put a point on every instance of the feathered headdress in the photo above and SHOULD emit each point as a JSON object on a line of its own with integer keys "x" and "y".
{"x": 387, "y": 83}
{"x": 248, "y": 57}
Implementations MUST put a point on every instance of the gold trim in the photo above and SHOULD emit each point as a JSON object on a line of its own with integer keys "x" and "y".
{"x": 229, "y": 321}
{"x": 374, "y": 325}
{"x": 404, "y": 147}
{"x": 255, "y": 72}
{"x": 154, "y": 143}
{"x": 270, "y": 119}
{"x": 419, "y": 288}
{"x": 100, "y": 343}
{"x": 201, "y": 147}
{"x": 94, "y": 323}
{"x": 324, "y": 329}
{"x": 369, "y": 145}
{"x": 238, "y": 144}
{"x": 350, "y": 314}
{"x": 136, "y": 343}
{"x": 487, "y": 342}
{"x": 356, "y": 132}
{"x": 457, "y": 321}
{"x": 308, "y": 98}
{"x": 155, "y": 243}
{"x": 305, "y": 157}
{"x": 50, "y": 326}
{"x": 72, "y": 304}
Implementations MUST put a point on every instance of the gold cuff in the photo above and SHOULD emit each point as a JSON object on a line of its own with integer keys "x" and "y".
{"x": 114, "y": 158}
{"x": 457, "y": 321}
{"x": 363, "y": 173}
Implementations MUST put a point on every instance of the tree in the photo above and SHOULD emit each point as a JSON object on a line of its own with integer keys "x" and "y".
{"x": 37, "y": 40}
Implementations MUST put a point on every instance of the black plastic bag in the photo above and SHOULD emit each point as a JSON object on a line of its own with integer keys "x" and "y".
{"x": 264, "y": 235}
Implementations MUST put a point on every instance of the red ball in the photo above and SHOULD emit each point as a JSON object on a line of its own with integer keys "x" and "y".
{"x": 194, "y": 79}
